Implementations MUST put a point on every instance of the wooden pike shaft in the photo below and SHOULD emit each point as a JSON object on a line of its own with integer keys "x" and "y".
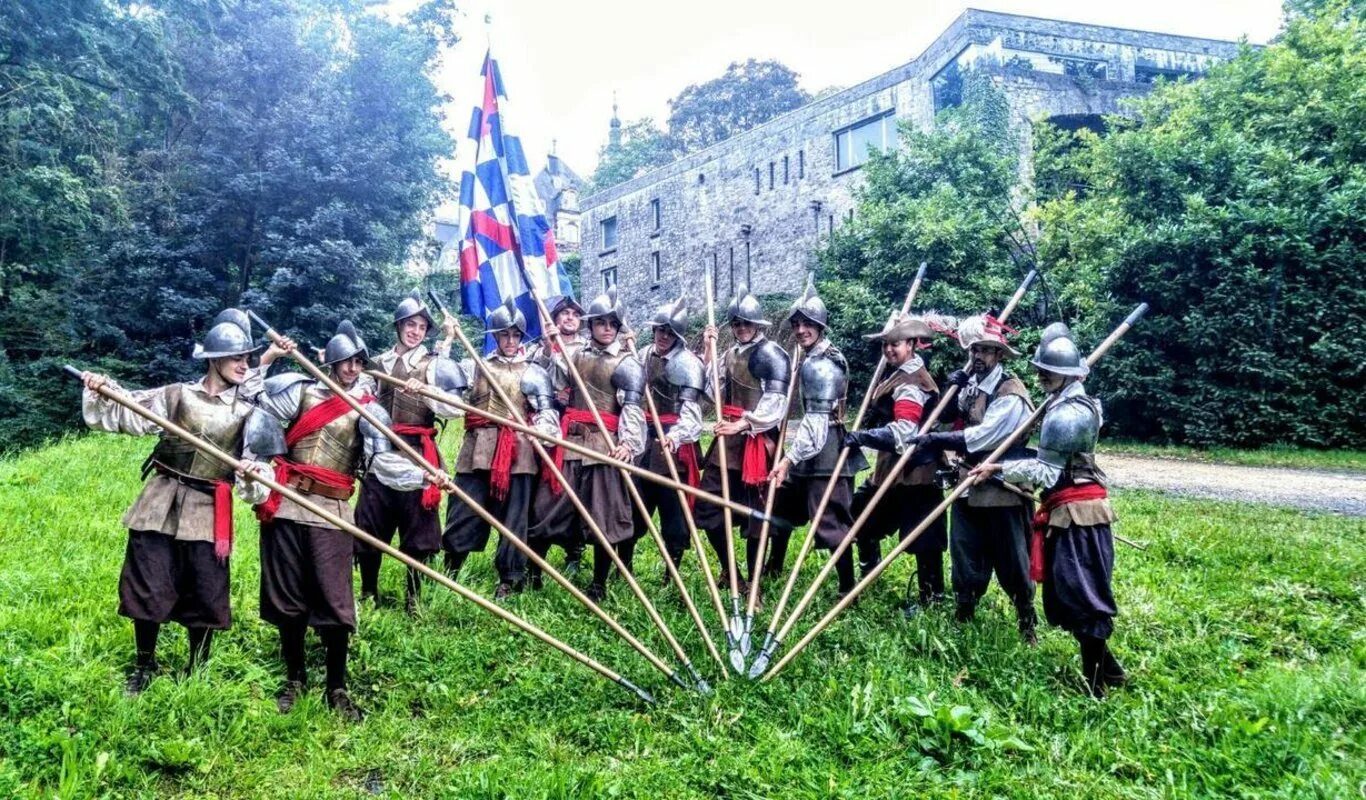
{"x": 349, "y": 528}
{"x": 444, "y": 481}
{"x": 630, "y": 488}
{"x": 732, "y": 578}
{"x": 753, "y": 600}
{"x": 688, "y": 519}
{"x": 901, "y": 463}
{"x": 1022, "y": 431}
{"x": 809, "y": 541}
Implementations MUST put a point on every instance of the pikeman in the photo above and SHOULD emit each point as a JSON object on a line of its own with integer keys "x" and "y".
{"x": 497, "y": 465}
{"x": 616, "y": 381}
{"x": 674, "y": 376}
{"x": 1072, "y": 549}
{"x": 754, "y": 377}
{"x": 553, "y": 518}
{"x": 175, "y": 567}
{"x": 318, "y": 441}
{"x": 808, "y": 465}
{"x": 382, "y": 508}
{"x": 990, "y": 526}
{"x": 898, "y": 404}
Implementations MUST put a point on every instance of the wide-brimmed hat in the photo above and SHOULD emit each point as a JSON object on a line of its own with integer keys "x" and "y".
{"x": 900, "y": 328}
{"x": 985, "y": 329}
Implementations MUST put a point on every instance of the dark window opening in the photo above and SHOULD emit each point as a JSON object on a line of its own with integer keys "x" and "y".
{"x": 756, "y": 180}
{"x": 609, "y": 278}
{"x": 609, "y": 233}
{"x": 785, "y": 173}
{"x": 770, "y": 176}
{"x": 654, "y": 213}
{"x": 655, "y": 270}
{"x": 801, "y": 164}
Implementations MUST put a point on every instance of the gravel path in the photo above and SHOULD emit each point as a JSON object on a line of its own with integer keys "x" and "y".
{"x": 1339, "y": 492}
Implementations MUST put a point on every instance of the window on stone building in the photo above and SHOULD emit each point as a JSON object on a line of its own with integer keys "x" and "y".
{"x": 609, "y": 233}
{"x": 749, "y": 278}
{"x": 655, "y": 271}
{"x": 801, "y": 164}
{"x": 654, "y": 213}
{"x": 732, "y": 270}
{"x": 756, "y": 180}
{"x": 831, "y": 225}
{"x": 853, "y": 144}
{"x": 715, "y": 271}
{"x": 947, "y": 87}
{"x": 609, "y": 278}
{"x": 770, "y": 176}
{"x": 784, "y": 170}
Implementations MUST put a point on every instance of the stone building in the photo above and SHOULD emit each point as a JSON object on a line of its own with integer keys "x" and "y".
{"x": 754, "y": 208}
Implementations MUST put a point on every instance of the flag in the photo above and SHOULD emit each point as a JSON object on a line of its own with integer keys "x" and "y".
{"x": 504, "y": 238}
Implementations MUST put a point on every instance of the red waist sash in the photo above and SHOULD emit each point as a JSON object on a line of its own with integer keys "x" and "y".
{"x": 754, "y": 465}
{"x": 1052, "y": 502}
{"x": 570, "y": 417}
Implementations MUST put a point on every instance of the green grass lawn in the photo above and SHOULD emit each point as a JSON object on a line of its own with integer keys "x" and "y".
{"x": 1275, "y": 456}
{"x": 1244, "y": 630}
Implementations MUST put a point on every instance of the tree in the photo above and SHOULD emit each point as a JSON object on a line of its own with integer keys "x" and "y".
{"x": 747, "y": 95}
{"x": 643, "y": 147}
{"x": 297, "y": 188}
{"x": 947, "y": 196}
{"x": 1237, "y": 209}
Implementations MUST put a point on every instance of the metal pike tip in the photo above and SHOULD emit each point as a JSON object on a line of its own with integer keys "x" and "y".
{"x": 760, "y": 665}
{"x": 745, "y": 643}
{"x": 678, "y": 679}
{"x": 737, "y": 628}
{"x": 703, "y": 688}
{"x": 737, "y": 661}
{"x": 637, "y": 691}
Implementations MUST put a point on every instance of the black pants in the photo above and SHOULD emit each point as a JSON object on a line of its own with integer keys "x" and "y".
{"x": 380, "y": 512}
{"x": 796, "y": 502}
{"x": 466, "y": 532}
{"x": 168, "y": 580}
{"x": 901, "y": 510}
{"x": 673, "y": 526}
{"x": 710, "y": 517}
{"x": 1077, "y": 595}
{"x": 306, "y": 576}
{"x": 991, "y": 540}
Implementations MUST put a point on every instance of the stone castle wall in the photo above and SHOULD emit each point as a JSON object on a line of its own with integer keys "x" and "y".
{"x": 754, "y": 208}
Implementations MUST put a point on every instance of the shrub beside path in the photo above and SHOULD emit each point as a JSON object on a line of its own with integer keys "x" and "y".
{"x": 1312, "y": 489}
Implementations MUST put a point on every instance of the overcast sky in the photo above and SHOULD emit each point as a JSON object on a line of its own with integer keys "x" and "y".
{"x": 562, "y": 61}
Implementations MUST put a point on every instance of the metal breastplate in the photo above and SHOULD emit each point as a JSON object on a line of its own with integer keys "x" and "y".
{"x": 664, "y": 393}
{"x": 221, "y": 424}
{"x": 508, "y": 376}
{"x": 742, "y": 388}
{"x": 837, "y": 413}
{"x": 596, "y": 368}
{"x": 336, "y": 446}
{"x": 404, "y": 408}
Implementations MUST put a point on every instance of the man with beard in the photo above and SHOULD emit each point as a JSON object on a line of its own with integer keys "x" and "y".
{"x": 318, "y": 441}
{"x": 809, "y": 463}
{"x": 554, "y": 520}
{"x": 1072, "y": 549}
{"x": 496, "y": 466}
{"x": 175, "y": 566}
{"x": 382, "y": 508}
{"x": 990, "y": 525}
{"x": 673, "y": 376}
{"x": 615, "y": 382}
{"x": 754, "y": 375}
{"x": 898, "y": 404}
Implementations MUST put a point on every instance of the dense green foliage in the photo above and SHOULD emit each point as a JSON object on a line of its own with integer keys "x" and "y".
{"x": 1242, "y": 627}
{"x": 702, "y": 114}
{"x": 1234, "y": 205}
{"x": 163, "y": 160}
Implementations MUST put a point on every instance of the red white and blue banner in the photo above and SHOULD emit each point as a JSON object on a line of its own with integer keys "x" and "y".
{"x": 504, "y": 237}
